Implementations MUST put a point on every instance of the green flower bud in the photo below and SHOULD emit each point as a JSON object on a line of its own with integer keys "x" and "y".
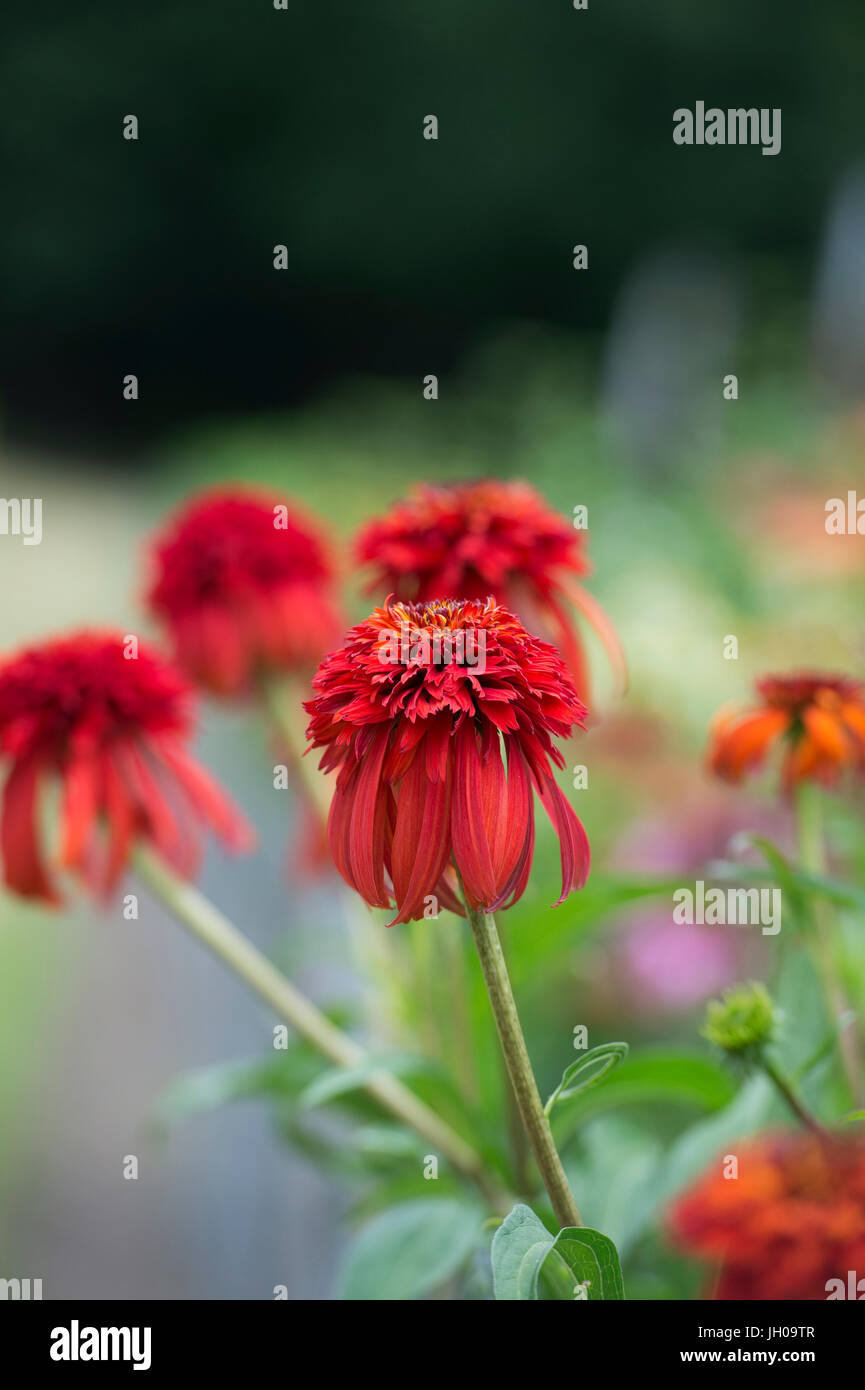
{"x": 743, "y": 1020}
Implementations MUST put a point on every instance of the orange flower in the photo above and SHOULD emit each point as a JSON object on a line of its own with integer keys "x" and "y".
{"x": 791, "y": 1221}
{"x": 821, "y": 720}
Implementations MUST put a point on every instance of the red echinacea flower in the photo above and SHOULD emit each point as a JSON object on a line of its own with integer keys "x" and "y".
{"x": 242, "y": 581}
{"x": 490, "y": 538}
{"x": 440, "y": 719}
{"x": 820, "y": 720}
{"x": 108, "y": 721}
{"x": 791, "y": 1221}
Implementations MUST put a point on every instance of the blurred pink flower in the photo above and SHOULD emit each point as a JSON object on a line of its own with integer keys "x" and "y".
{"x": 670, "y": 968}
{"x": 659, "y": 966}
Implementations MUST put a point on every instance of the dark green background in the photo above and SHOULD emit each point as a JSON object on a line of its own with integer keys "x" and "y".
{"x": 304, "y": 127}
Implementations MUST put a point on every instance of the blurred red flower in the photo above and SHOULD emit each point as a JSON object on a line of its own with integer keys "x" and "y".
{"x": 112, "y": 728}
{"x": 490, "y": 539}
{"x": 821, "y": 720}
{"x": 417, "y": 724}
{"x": 792, "y": 1220}
{"x": 243, "y": 583}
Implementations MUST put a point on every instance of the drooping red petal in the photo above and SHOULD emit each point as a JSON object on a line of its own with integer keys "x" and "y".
{"x": 218, "y": 648}
{"x": 437, "y": 746}
{"x": 80, "y": 805}
{"x": 566, "y": 637}
{"x": 447, "y": 892}
{"x": 595, "y": 616}
{"x": 339, "y": 823}
{"x": 23, "y": 869}
{"x": 122, "y": 820}
{"x": 367, "y": 823}
{"x": 421, "y": 841}
{"x": 514, "y": 849}
{"x": 156, "y": 812}
{"x": 478, "y": 795}
{"x": 208, "y": 798}
{"x": 573, "y": 841}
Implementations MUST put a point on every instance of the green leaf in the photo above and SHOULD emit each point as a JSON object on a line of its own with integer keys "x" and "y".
{"x": 621, "y": 1209}
{"x": 805, "y": 1022}
{"x": 409, "y": 1249}
{"x": 826, "y": 1047}
{"x": 801, "y": 883}
{"x": 587, "y": 1071}
{"x": 593, "y": 1259}
{"x": 705, "y": 1141}
{"x": 520, "y": 1246}
{"x": 689, "y": 1155}
{"x": 539, "y": 936}
{"x": 387, "y": 1141}
{"x": 785, "y": 872}
{"x": 338, "y": 1081}
{"x": 212, "y": 1087}
{"x": 852, "y": 1115}
{"x": 649, "y": 1077}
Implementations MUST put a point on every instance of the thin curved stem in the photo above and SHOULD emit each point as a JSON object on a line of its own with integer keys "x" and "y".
{"x": 253, "y": 967}
{"x": 531, "y": 1109}
{"x": 785, "y": 1089}
{"x": 282, "y": 700}
{"x": 812, "y": 857}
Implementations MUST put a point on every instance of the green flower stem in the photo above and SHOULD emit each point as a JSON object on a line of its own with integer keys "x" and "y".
{"x": 785, "y": 1089}
{"x": 221, "y": 936}
{"x": 283, "y": 700}
{"x": 522, "y": 1157}
{"x": 455, "y": 1006}
{"x": 812, "y": 857}
{"x": 535, "y": 1122}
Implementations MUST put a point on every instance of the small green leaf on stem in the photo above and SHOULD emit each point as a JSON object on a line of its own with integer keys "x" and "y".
{"x": 587, "y": 1071}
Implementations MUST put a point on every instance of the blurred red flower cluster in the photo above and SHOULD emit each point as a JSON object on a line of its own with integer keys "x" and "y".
{"x": 790, "y": 1220}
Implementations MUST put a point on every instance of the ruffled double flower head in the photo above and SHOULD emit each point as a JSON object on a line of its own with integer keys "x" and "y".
{"x": 439, "y": 719}
{"x": 243, "y": 584}
{"x": 489, "y": 537}
{"x": 107, "y": 721}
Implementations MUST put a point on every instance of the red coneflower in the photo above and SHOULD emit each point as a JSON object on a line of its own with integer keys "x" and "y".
{"x": 792, "y": 1221}
{"x": 489, "y": 538}
{"x": 109, "y": 721}
{"x": 820, "y": 719}
{"x": 440, "y": 718}
{"x": 242, "y": 581}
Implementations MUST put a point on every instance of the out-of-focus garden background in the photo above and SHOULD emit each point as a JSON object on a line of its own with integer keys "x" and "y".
{"x": 603, "y": 387}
